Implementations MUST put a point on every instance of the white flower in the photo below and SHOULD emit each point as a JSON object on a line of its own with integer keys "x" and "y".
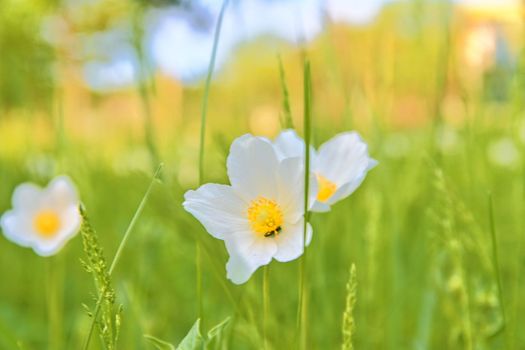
{"x": 43, "y": 219}
{"x": 261, "y": 215}
{"x": 340, "y": 165}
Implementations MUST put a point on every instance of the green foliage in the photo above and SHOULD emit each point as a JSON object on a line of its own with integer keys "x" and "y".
{"x": 194, "y": 340}
{"x": 158, "y": 343}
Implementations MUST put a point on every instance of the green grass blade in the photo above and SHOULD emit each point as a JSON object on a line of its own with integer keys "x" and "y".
{"x": 204, "y": 110}
{"x": 307, "y": 139}
{"x": 495, "y": 261}
{"x": 122, "y": 244}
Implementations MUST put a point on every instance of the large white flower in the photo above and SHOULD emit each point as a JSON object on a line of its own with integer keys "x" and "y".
{"x": 340, "y": 165}
{"x": 43, "y": 219}
{"x": 261, "y": 215}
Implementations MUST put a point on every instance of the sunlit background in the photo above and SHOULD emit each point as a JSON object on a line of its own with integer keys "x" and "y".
{"x": 104, "y": 90}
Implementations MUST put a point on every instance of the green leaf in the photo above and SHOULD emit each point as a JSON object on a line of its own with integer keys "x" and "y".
{"x": 158, "y": 343}
{"x": 193, "y": 340}
{"x": 215, "y": 334}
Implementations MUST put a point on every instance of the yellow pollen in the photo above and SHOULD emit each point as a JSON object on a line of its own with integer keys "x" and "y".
{"x": 265, "y": 216}
{"x": 326, "y": 188}
{"x": 46, "y": 223}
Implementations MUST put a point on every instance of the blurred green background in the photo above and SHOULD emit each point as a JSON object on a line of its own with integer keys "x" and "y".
{"x": 437, "y": 90}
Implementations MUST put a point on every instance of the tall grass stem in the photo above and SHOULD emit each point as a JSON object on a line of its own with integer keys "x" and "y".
{"x": 307, "y": 139}
{"x": 204, "y": 111}
{"x": 122, "y": 244}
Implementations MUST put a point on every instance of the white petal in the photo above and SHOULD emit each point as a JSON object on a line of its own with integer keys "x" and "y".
{"x": 247, "y": 253}
{"x": 291, "y": 188}
{"x": 71, "y": 221}
{"x": 290, "y": 241}
{"x": 218, "y": 208}
{"x": 48, "y": 247}
{"x": 344, "y": 160}
{"x": 320, "y": 207}
{"x": 238, "y": 270}
{"x": 61, "y": 193}
{"x": 289, "y": 144}
{"x": 17, "y": 228}
{"x": 252, "y": 167}
{"x": 26, "y": 197}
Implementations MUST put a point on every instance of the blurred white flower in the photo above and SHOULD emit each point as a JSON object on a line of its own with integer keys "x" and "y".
{"x": 354, "y": 11}
{"x": 108, "y": 76}
{"x": 260, "y": 216}
{"x": 111, "y": 62}
{"x": 43, "y": 219}
{"x": 296, "y": 21}
{"x": 504, "y": 153}
{"x": 340, "y": 165}
{"x": 180, "y": 40}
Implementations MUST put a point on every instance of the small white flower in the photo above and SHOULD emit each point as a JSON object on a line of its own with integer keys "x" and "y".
{"x": 261, "y": 215}
{"x": 340, "y": 165}
{"x": 43, "y": 219}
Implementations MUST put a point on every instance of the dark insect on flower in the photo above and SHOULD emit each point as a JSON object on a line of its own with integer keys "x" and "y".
{"x": 274, "y": 232}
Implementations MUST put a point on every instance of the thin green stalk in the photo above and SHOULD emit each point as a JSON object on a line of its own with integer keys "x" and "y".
{"x": 266, "y": 303}
{"x": 143, "y": 86}
{"x": 495, "y": 260}
{"x": 307, "y": 139}
{"x": 207, "y": 90}
{"x": 204, "y": 111}
{"x": 198, "y": 272}
{"x": 54, "y": 286}
{"x": 122, "y": 244}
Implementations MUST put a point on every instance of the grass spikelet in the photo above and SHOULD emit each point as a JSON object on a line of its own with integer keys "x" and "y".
{"x": 286, "y": 117}
{"x": 95, "y": 264}
{"x": 348, "y": 315}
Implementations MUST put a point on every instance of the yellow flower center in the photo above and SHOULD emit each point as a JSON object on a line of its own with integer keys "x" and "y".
{"x": 265, "y": 216}
{"x": 46, "y": 223}
{"x": 326, "y": 188}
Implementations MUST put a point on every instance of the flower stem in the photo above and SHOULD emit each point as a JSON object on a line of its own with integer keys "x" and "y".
{"x": 204, "y": 111}
{"x": 307, "y": 139}
{"x": 55, "y": 281}
{"x": 266, "y": 303}
{"x": 122, "y": 244}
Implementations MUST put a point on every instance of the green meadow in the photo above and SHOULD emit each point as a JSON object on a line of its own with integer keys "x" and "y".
{"x": 435, "y": 232}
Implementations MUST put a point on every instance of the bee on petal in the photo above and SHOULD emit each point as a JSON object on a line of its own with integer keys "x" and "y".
{"x": 260, "y": 216}
{"x": 43, "y": 219}
{"x": 340, "y": 165}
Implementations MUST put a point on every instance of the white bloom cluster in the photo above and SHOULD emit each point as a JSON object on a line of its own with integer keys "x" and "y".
{"x": 260, "y": 216}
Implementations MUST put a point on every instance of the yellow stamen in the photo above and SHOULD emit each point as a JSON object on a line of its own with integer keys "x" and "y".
{"x": 46, "y": 223}
{"x": 265, "y": 216}
{"x": 326, "y": 188}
